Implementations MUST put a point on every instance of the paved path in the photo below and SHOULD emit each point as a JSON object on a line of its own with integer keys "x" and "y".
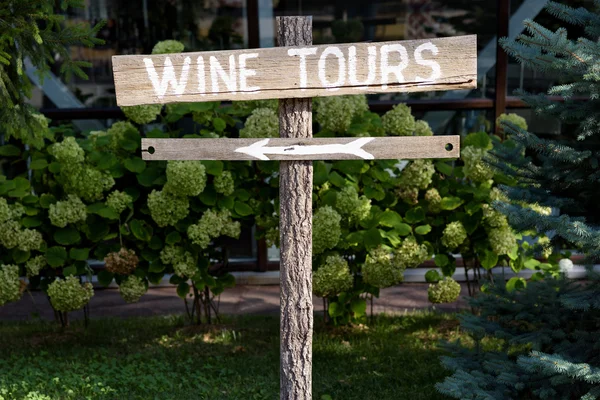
{"x": 243, "y": 299}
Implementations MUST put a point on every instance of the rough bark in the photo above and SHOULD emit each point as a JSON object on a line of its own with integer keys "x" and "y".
{"x": 295, "y": 182}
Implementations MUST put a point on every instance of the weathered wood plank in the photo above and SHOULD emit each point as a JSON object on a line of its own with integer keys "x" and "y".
{"x": 289, "y": 149}
{"x": 297, "y": 72}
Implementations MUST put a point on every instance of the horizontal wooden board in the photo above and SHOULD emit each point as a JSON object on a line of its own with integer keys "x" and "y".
{"x": 354, "y": 148}
{"x": 297, "y": 72}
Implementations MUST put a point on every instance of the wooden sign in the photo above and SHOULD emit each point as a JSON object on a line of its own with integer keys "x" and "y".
{"x": 368, "y": 148}
{"x": 294, "y": 73}
{"x": 297, "y": 72}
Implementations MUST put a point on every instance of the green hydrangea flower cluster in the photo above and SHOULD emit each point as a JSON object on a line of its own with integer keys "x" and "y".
{"x": 493, "y": 218}
{"x": 434, "y": 200}
{"x": 212, "y": 225}
{"x": 514, "y": 119}
{"x": 445, "y": 291}
{"x": 417, "y": 174}
{"x": 475, "y": 168}
{"x": 118, "y": 201}
{"x": 422, "y": 128}
{"x": 379, "y": 269}
{"x": 336, "y": 113}
{"x": 262, "y": 123}
{"x": 502, "y": 240}
{"x": 399, "y": 121}
{"x": 410, "y": 195}
{"x": 454, "y": 235}
{"x": 117, "y": 133}
{"x": 10, "y": 284}
{"x": 410, "y": 254}
{"x": 167, "y": 209}
{"x": 123, "y": 262}
{"x": 350, "y": 205}
{"x": 185, "y": 178}
{"x": 326, "y": 229}
{"x": 34, "y": 265}
{"x": 142, "y": 114}
{"x": 332, "y": 278}
{"x": 168, "y": 47}
{"x": 12, "y": 236}
{"x": 68, "y": 211}
{"x": 10, "y": 211}
{"x": 183, "y": 261}
{"x": 224, "y": 183}
{"x": 69, "y": 294}
{"x": 247, "y": 106}
{"x": 132, "y": 289}
{"x": 67, "y": 152}
{"x": 86, "y": 182}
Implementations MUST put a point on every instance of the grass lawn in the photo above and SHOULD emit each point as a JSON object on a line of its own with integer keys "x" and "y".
{"x": 163, "y": 358}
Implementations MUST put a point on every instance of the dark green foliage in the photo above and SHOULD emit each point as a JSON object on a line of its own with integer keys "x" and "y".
{"x": 163, "y": 358}
{"x": 31, "y": 31}
{"x": 550, "y": 329}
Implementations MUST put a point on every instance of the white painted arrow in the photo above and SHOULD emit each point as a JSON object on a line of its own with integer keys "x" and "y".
{"x": 260, "y": 149}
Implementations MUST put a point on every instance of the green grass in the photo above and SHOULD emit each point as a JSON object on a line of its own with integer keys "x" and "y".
{"x": 163, "y": 358}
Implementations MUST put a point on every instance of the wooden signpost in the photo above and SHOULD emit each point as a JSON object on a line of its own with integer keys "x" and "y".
{"x": 293, "y": 73}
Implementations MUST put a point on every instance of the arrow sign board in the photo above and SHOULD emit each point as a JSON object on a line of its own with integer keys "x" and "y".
{"x": 370, "y": 148}
{"x": 297, "y": 72}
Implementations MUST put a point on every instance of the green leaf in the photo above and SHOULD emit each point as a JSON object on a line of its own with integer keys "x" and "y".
{"x": 226, "y": 202}
{"x": 390, "y": 219}
{"x": 79, "y": 254}
{"x": 70, "y": 270}
{"x": 242, "y": 194}
{"x": 444, "y": 168}
{"x": 208, "y": 196}
{"x": 31, "y": 222}
{"x": 67, "y": 236}
{"x": 172, "y": 238}
{"x": 9, "y": 150}
{"x": 320, "y": 173}
{"x": 375, "y": 192}
{"x": 478, "y": 139}
{"x": 358, "y": 307}
{"x": 105, "y": 278}
{"x": 20, "y": 256}
{"x": 532, "y": 263}
{"x": 515, "y": 284}
{"x": 335, "y": 309}
{"x": 451, "y": 203}
{"x": 97, "y": 229}
{"x": 403, "y": 229}
{"x": 489, "y": 259}
{"x": 141, "y": 230}
{"x": 55, "y": 167}
{"x": 149, "y": 255}
{"x": 433, "y": 276}
{"x": 106, "y": 160}
{"x": 243, "y": 209}
{"x": 414, "y": 215}
{"x": 355, "y": 238}
{"x": 156, "y": 267}
{"x": 227, "y": 280}
{"x": 108, "y": 213}
{"x": 423, "y": 229}
{"x": 183, "y": 289}
{"x": 219, "y": 124}
{"x": 337, "y": 180}
{"x": 349, "y": 167}
{"x": 135, "y": 164}
{"x": 441, "y": 260}
{"x": 372, "y": 238}
{"x": 213, "y": 167}
{"x": 46, "y": 200}
{"x": 155, "y": 243}
{"x": 40, "y": 163}
{"x": 149, "y": 176}
{"x": 472, "y": 207}
{"x": 176, "y": 280}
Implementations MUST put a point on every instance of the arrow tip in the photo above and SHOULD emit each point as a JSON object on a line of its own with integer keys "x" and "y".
{"x": 255, "y": 150}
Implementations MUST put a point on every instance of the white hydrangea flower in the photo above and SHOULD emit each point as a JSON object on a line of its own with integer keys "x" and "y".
{"x": 332, "y": 278}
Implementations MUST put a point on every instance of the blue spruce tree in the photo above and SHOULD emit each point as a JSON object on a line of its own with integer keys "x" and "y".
{"x": 543, "y": 341}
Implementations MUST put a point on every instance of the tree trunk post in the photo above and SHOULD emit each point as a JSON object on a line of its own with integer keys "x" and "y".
{"x": 295, "y": 190}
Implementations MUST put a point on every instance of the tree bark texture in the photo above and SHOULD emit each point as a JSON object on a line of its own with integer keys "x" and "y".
{"x": 295, "y": 193}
